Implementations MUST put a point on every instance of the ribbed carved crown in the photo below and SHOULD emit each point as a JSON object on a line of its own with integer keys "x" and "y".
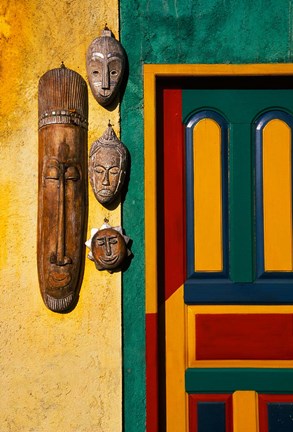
{"x": 63, "y": 98}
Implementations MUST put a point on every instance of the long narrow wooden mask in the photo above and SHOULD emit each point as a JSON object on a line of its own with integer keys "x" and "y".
{"x": 62, "y": 206}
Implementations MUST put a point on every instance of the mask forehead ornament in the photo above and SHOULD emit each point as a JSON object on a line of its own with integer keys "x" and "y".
{"x": 107, "y": 166}
{"x": 62, "y": 196}
{"x": 108, "y": 247}
{"x": 105, "y": 64}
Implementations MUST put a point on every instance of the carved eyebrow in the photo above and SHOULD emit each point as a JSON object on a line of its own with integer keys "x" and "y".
{"x": 109, "y": 237}
{"x": 98, "y": 55}
{"x": 52, "y": 161}
{"x": 105, "y": 167}
{"x": 118, "y": 55}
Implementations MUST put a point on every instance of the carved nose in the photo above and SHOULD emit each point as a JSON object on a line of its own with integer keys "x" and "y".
{"x": 108, "y": 248}
{"x": 63, "y": 261}
{"x": 105, "y": 78}
{"x": 106, "y": 178}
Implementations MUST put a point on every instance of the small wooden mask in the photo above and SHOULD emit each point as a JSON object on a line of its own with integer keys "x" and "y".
{"x": 108, "y": 248}
{"x": 63, "y": 112}
{"x": 107, "y": 166}
{"x": 105, "y": 64}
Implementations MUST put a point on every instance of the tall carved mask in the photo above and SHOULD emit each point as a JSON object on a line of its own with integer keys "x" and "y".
{"x": 107, "y": 166}
{"x": 105, "y": 64}
{"x": 62, "y": 195}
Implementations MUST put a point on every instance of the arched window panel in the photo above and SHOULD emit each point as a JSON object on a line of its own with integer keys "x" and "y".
{"x": 274, "y": 195}
{"x": 206, "y": 170}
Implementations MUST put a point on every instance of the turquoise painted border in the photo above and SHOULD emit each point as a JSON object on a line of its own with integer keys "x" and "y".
{"x": 220, "y": 380}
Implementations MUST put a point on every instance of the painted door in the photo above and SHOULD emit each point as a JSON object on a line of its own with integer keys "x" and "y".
{"x": 225, "y": 258}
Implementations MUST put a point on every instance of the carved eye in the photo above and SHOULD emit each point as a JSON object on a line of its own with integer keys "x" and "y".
{"x": 114, "y": 171}
{"x": 101, "y": 242}
{"x": 114, "y": 73}
{"x": 113, "y": 240}
{"x": 52, "y": 172}
{"x": 96, "y": 73}
{"x": 99, "y": 170}
{"x": 72, "y": 173}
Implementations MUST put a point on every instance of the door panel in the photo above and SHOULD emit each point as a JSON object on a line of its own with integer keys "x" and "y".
{"x": 224, "y": 330}
{"x": 210, "y": 413}
{"x": 275, "y": 413}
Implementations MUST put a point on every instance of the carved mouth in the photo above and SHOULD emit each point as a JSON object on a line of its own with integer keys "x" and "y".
{"x": 59, "y": 280}
{"x": 105, "y": 92}
{"x": 102, "y": 92}
{"x": 108, "y": 261}
{"x": 105, "y": 192}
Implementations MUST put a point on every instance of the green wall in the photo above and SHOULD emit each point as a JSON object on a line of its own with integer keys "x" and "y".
{"x": 178, "y": 31}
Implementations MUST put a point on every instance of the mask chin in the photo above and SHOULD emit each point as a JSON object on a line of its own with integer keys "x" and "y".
{"x": 106, "y": 100}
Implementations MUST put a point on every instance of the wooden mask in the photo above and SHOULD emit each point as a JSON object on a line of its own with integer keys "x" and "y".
{"x": 105, "y": 64}
{"x": 62, "y": 204}
{"x": 107, "y": 166}
{"x": 108, "y": 248}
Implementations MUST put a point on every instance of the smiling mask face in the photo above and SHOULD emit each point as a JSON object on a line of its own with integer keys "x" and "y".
{"x": 108, "y": 249}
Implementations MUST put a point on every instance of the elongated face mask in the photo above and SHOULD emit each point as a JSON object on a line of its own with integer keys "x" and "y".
{"x": 62, "y": 186}
{"x": 105, "y": 64}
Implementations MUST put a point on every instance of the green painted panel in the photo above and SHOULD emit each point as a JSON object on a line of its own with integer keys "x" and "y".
{"x": 229, "y": 380}
{"x": 241, "y": 205}
{"x": 236, "y": 105}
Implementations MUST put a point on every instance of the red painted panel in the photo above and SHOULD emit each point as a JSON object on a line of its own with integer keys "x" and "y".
{"x": 193, "y": 400}
{"x": 244, "y": 337}
{"x": 174, "y": 196}
{"x": 263, "y": 414}
{"x": 263, "y": 400}
{"x": 152, "y": 372}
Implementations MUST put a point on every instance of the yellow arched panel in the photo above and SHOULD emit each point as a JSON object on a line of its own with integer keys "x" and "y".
{"x": 277, "y": 196}
{"x": 207, "y": 196}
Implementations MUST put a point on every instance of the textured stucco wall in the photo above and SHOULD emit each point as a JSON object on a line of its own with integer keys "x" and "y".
{"x": 179, "y": 31}
{"x": 58, "y": 372}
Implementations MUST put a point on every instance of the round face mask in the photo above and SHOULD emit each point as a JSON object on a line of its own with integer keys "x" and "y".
{"x": 105, "y": 64}
{"x": 108, "y": 249}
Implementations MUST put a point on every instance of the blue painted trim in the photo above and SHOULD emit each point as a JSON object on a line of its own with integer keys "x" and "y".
{"x": 219, "y": 291}
{"x": 260, "y": 123}
{"x": 209, "y": 114}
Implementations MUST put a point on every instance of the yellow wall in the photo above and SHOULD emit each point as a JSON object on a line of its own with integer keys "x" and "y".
{"x": 58, "y": 372}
